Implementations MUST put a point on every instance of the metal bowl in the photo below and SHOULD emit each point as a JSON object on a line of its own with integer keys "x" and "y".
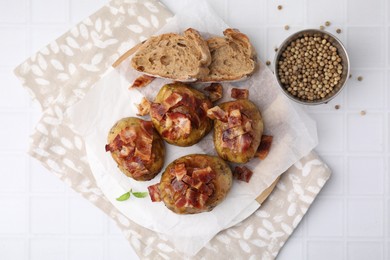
{"x": 341, "y": 51}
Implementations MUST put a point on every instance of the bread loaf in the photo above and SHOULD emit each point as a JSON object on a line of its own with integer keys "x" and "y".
{"x": 232, "y": 57}
{"x": 178, "y": 57}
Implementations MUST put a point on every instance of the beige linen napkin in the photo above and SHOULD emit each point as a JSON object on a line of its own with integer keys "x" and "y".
{"x": 62, "y": 73}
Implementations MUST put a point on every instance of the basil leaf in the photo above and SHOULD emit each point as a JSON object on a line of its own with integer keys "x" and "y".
{"x": 140, "y": 194}
{"x": 124, "y": 197}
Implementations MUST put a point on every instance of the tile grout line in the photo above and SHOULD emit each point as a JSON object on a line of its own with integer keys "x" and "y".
{"x": 345, "y": 144}
{"x": 386, "y": 139}
{"x": 29, "y": 171}
{"x": 306, "y": 232}
{"x": 67, "y": 191}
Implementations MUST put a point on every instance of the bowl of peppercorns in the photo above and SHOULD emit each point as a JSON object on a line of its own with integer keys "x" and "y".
{"x": 312, "y": 66}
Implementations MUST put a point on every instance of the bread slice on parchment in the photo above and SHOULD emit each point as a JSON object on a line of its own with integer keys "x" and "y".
{"x": 233, "y": 57}
{"x": 179, "y": 57}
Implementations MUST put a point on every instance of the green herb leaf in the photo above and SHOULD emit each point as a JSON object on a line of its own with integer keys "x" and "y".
{"x": 124, "y": 197}
{"x": 140, "y": 194}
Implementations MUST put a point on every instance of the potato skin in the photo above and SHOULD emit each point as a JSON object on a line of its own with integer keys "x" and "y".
{"x": 250, "y": 110}
{"x": 222, "y": 182}
{"x": 196, "y": 133}
{"x": 158, "y": 149}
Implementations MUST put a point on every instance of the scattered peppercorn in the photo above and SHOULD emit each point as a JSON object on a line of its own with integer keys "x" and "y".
{"x": 268, "y": 63}
{"x": 337, "y": 106}
{"x": 310, "y": 67}
{"x": 363, "y": 113}
{"x": 286, "y": 27}
{"x": 322, "y": 27}
{"x": 276, "y": 49}
{"x": 280, "y": 7}
{"x": 360, "y": 78}
{"x": 350, "y": 75}
{"x": 338, "y": 30}
{"x": 327, "y": 23}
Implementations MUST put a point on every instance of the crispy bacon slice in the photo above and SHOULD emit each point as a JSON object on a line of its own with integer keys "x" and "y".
{"x": 134, "y": 142}
{"x": 126, "y": 151}
{"x": 233, "y": 132}
{"x": 192, "y": 197}
{"x": 128, "y": 135}
{"x": 264, "y": 147}
{"x": 143, "y": 107}
{"x": 234, "y": 118}
{"x": 147, "y": 128}
{"x": 180, "y": 171}
{"x": 229, "y": 143}
{"x": 240, "y": 143}
{"x": 195, "y": 198}
{"x": 203, "y": 197}
{"x": 169, "y": 190}
{"x": 172, "y": 100}
{"x": 212, "y": 187}
{"x": 188, "y": 100}
{"x": 195, "y": 186}
{"x": 193, "y": 182}
{"x": 181, "y": 202}
{"x": 239, "y": 93}
{"x": 217, "y": 113}
{"x": 187, "y": 179}
{"x": 205, "y": 175}
{"x": 178, "y": 186}
{"x": 195, "y": 120}
{"x": 143, "y": 151}
{"x": 142, "y": 81}
{"x": 136, "y": 169}
{"x": 215, "y": 91}
{"x": 154, "y": 192}
{"x": 178, "y": 125}
{"x": 244, "y": 142}
{"x": 203, "y": 108}
{"x": 242, "y": 173}
{"x": 205, "y": 189}
{"x": 143, "y": 141}
{"x": 157, "y": 111}
{"x": 115, "y": 145}
{"x": 247, "y": 124}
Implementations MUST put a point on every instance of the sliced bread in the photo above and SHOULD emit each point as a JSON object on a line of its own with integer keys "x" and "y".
{"x": 179, "y": 57}
{"x": 232, "y": 57}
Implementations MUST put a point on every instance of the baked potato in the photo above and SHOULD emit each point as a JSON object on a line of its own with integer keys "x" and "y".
{"x": 194, "y": 183}
{"x": 179, "y": 114}
{"x": 237, "y": 130}
{"x": 137, "y": 148}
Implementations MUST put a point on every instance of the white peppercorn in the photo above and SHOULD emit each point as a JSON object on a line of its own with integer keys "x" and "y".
{"x": 310, "y": 67}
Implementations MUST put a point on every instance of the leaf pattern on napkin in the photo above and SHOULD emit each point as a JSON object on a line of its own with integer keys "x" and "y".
{"x": 63, "y": 72}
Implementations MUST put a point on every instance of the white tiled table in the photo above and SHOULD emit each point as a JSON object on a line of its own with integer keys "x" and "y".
{"x": 41, "y": 218}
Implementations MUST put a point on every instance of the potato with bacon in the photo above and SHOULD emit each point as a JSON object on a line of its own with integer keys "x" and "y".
{"x": 179, "y": 114}
{"x": 193, "y": 184}
{"x": 238, "y": 127}
{"x": 137, "y": 148}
